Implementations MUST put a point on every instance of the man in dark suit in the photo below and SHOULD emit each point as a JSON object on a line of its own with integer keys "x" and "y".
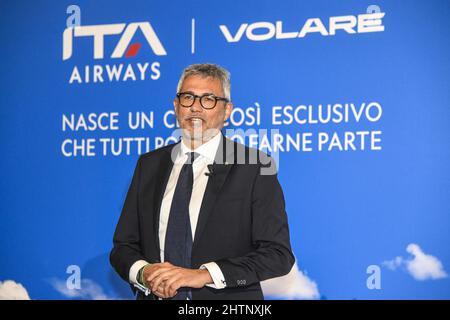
{"x": 203, "y": 218}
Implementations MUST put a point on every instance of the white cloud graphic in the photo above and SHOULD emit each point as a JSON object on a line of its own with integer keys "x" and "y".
{"x": 89, "y": 290}
{"x": 420, "y": 266}
{"x": 424, "y": 266}
{"x": 393, "y": 264}
{"x": 10, "y": 290}
{"x": 294, "y": 285}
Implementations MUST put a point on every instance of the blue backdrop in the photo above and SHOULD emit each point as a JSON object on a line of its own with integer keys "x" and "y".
{"x": 368, "y": 220}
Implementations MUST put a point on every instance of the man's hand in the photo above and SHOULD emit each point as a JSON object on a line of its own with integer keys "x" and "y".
{"x": 164, "y": 279}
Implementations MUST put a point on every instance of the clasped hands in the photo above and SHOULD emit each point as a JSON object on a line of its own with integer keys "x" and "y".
{"x": 164, "y": 279}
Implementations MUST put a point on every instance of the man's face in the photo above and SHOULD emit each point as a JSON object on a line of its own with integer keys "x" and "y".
{"x": 197, "y": 122}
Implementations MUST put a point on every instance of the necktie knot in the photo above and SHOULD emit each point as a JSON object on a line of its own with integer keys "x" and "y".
{"x": 191, "y": 157}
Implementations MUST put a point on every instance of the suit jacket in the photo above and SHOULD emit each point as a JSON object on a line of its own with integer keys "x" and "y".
{"x": 242, "y": 224}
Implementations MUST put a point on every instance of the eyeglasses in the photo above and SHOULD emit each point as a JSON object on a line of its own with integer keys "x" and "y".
{"x": 207, "y": 101}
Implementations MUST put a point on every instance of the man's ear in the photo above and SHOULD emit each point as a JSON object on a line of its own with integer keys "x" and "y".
{"x": 228, "y": 109}
{"x": 175, "y": 105}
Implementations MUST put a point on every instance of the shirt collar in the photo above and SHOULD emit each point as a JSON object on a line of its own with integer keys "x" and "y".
{"x": 207, "y": 150}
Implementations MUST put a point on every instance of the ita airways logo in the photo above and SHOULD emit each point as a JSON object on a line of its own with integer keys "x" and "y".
{"x": 102, "y": 67}
{"x": 124, "y": 46}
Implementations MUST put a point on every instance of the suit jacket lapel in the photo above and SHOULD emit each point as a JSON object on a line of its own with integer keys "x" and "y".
{"x": 222, "y": 165}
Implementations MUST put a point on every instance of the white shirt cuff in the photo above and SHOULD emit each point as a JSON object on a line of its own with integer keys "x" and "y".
{"x": 216, "y": 275}
{"x": 135, "y": 269}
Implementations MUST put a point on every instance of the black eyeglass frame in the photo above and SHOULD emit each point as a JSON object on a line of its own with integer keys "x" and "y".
{"x": 200, "y": 99}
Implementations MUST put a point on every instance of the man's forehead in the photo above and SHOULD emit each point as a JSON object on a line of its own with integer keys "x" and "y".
{"x": 199, "y": 82}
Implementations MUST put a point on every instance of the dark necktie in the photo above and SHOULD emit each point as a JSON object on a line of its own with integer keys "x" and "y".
{"x": 178, "y": 243}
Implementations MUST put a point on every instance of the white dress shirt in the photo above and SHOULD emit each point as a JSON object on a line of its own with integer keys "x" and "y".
{"x": 207, "y": 153}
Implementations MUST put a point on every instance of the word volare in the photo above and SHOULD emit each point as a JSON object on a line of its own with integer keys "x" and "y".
{"x": 262, "y": 31}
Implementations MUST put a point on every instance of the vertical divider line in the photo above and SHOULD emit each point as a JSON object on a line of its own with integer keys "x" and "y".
{"x": 193, "y": 36}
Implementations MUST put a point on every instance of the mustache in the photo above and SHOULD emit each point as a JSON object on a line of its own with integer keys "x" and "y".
{"x": 194, "y": 116}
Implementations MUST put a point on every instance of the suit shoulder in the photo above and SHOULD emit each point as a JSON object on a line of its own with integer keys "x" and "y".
{"x": 249, "y": 155}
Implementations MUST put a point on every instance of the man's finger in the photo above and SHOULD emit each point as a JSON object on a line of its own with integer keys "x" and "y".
{"x": 160, "y": 291}
{"x": 168, "y": 290}
{"x": 164, "y": 276}
{"x": 159, "y": 294}
{"x": 172, "y": 284}
{"x": 157, "y": 272}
